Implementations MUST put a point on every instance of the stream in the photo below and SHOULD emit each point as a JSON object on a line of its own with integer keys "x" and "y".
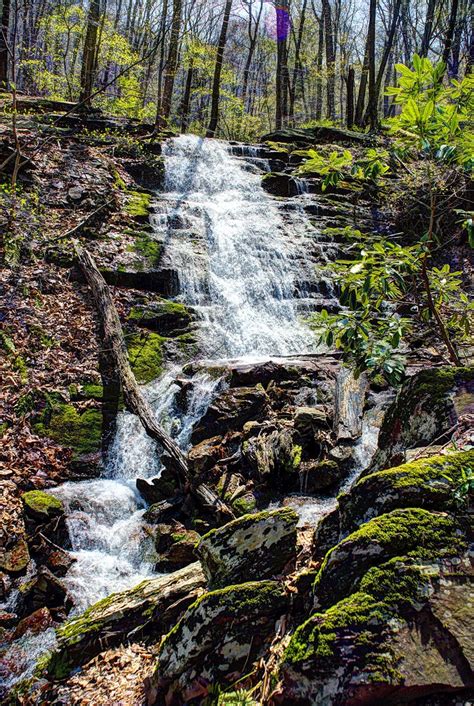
{"x": 242, "y": 266}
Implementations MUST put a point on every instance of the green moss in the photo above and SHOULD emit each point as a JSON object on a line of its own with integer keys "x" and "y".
{"x": 145, "y": 352}
{"x": 428, "y": 482}
{"x": 243, "y": 600}
{"x": 81, "y": 432}
{"x": 40, "y": 503}
{"x": 245, "y": 504}
{"x": 410, "y": 531}
{"x": 162, "y": 306}
{"x": 284, "y": 514}
{"x": 93, "y": 391}
{"x": 385, "y": 592}
{"x": 296, "y": 453}
{"x": 146, "y": 246}
{"x": 138, "y": 204}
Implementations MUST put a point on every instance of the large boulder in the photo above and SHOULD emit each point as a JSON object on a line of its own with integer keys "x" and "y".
{"x": 429, "y": 483}
{"x": 151, "y": 607}
{"x": 216, "y": 640}
{"x": 272, "y": 455}
{"x": 42, "y": 506}
{"x": 406, "y": 633}
{"x": 252, "y": 547}
{"x": 230, "y": 411}
{"x": 393, "y": 534}
{"x": 426, "y": 409}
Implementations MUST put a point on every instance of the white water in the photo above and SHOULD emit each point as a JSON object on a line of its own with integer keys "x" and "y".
{"x": 238, "y": 259}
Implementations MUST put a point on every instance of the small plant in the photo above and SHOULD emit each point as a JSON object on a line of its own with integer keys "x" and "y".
{"x": 463, "y": 487}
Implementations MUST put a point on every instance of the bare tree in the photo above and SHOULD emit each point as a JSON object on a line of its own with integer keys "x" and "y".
{"x": 216, "y": 83}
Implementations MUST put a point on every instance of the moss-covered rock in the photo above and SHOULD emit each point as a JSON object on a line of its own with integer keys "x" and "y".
{"x": 145, "y": 352}
{"x": 428, "y": 483}
{"x": 393, "y": 534}
{"x": 219, "y": 635}
{"x": 78, "y": 430}
{"x": 426, "y": 408}
{"x": 42, "y": 506}
{"x": 163, "y": 316}
{"x": 405, "y": 631}
{"x": 319, "y": 475}
{"x": 151, "y": 607}
{"x": 177, "y": 549}
{"x": 252, "y": 547}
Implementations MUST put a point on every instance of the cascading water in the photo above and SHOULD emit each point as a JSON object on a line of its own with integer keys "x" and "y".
{"x": 238, "y": 267}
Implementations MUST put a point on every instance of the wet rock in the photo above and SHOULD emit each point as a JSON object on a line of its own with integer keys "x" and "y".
{"x": 393, "y": 534}
{"x": 406, "y": 632}
{"x": 36, "y": 623}
{"x": 164, "y": 510}
{"x": 14, "y": 555}
{"x": 204, "y": 455}
{"x": 426, "y": 409}
{"x": 164, "y": 317}
{"x": 59, "y": 562}
{"x": 252, "y": 547}
{"x": 349, "y": 404}
{"x": 326, "y": 535}
{"x": 308, "y": 420}
{"x": 44, "y": 589}
{"x": 216, "y": 639}
{"x": 42, "y": 506}
{"x": 176, "y": 548}
{"x": 231, "y": 486}
{"x": 152, "y": 607}
{"x": 230, "y": 411}
{"x": 147, "y": 172}
{"x": 158, "y": 489}
{"x": 318, "y": 475}
{"x": 279, "y": 184}
{"x": 273, "y": 457}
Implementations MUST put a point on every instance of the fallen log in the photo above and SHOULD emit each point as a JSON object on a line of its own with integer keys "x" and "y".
{"x": 114, "y": 344}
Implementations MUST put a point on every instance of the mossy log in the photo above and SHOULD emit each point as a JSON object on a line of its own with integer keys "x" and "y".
{"x": 114, "y": 342}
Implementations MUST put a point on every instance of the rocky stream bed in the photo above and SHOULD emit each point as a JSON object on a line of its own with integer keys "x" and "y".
{"x": 340, "y": 573}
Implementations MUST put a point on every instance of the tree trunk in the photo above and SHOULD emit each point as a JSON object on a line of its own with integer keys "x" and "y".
{"x": 448, "y": 41}
{"x": 350, "y": 97}
{"x": 253, "y": 43}
{"x": 297, "y": 68}
{"x": 430, "y": 13}
{"x": 161, "y": 63}
{"x": 319, "y": 69}
{"x": 89, "y": 53}
{"x": 359, "y": 114}
{"x": 114, "y": 344}
{"x": 4, "y": 60}
{"x": 281, "y": 87}
{"x": 372, "y": 108}
{"x": 330, "y": 61}
{"x": 187, "y": 98}
{"x": 163, "y": 111}
{"x": 216, "y": 83}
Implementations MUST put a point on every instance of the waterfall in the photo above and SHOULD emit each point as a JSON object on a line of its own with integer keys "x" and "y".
{"x": 239, "y": 259}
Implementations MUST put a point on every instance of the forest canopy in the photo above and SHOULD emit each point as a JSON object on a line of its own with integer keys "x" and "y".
{"x": 236, "y": 68}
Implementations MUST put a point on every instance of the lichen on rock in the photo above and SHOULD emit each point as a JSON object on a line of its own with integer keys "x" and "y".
{"x": 252, "y": 547}
{"x": 221, "y": 633}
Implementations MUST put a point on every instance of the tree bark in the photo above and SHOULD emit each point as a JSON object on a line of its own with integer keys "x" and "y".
{"x": 89, "y": 54}
{"x": 297, "y": 71}
{"x": 187, "y": 97}
{"x": 359, "y": 113}
{"x": 448, "y": 41}
{"x": 385, "y": 58}
{"x": 330, "y": 61}
{"x": 372, "y": 108}
{"x": 281, "y": 87}
{"x": 216, "y": 83}
{"x": 164, "y": 110}
{"x": 4, "y": 62}
{"x": 319, "y": 66}
{"x": 428, "y": 30}
{"x": 114, "y": 343}
{"x": 350, "y": 97}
